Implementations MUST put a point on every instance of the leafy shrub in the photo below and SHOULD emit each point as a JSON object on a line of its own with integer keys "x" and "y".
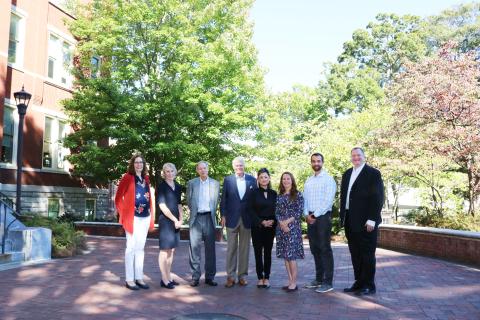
{"x": 449, "y": 220}
{"x": 66, "y": 241}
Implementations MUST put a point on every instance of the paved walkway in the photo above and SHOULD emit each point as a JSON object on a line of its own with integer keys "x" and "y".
{"x": 91, "y": 287}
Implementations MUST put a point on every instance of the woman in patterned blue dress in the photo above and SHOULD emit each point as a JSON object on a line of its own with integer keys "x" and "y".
{"x": 288, "y": 212}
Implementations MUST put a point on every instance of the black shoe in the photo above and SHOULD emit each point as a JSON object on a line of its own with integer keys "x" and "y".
{"x": 168, "y": 286}
{"x": 292, "y": 290}
{"x": 210, "y": 282}
{"x": 175, "y": 283}
{"x": 194, "y": 283}
{"x": 134, "y": 288}
{"x": 365, "y": 292}
{"x": 142, "y": 285}
{"x": 353, "y": 288}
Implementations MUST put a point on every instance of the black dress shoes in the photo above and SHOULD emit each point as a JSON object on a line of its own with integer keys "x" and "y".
{"x": 353, "y": 288}
{"x": 175, "y": 283}
{"x": 194, "y": 283}
{"x": 168, "y": 285}
{"x": 365, "y": 292}
{"x": 142, "y": 285}
{"x": 134, "y": 288}
{"x": 210, "y": 282}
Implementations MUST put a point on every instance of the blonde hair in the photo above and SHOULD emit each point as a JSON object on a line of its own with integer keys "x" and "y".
{"x": 168, "y": 165}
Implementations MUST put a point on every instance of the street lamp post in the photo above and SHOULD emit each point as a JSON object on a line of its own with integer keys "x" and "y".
{"x": 22, "y": 98}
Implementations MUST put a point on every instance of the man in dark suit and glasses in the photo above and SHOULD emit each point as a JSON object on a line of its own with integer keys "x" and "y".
{"x": 361, "y": 202}
{"x": 234, "y": 209}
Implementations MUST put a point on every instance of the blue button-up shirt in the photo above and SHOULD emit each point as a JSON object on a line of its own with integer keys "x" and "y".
{"x": 319, "y": 194}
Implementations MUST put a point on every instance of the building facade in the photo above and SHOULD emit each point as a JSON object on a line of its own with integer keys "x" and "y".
{"x": 36, "y": 51}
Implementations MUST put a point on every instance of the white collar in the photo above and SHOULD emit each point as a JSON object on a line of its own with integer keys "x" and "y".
{"x": 322, "y": 172}
{"x": 201, "y": 181}
{"x": 359, "y": 168}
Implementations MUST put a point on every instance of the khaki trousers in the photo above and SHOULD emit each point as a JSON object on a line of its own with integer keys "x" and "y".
{"x": 238, "y": 244}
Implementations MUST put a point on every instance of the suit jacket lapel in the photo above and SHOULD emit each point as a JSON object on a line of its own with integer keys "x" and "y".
{"x": 235, "y": 185}
{"x": 360, "y": 176}
{"x": 211, "y": 193}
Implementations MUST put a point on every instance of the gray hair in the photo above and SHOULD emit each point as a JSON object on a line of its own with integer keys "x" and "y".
{"x": 238, "y": 160}
{"x": 169, "y": 165}
{"x": 201, "y": 162}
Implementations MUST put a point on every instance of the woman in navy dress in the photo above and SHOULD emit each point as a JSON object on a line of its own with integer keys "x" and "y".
{"x": 289, "y": 211}
{"x": 169, "y": 194}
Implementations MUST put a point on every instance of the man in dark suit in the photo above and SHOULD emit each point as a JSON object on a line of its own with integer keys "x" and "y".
{"x": 237, "y": 189}
{"x": 361, "y": 202}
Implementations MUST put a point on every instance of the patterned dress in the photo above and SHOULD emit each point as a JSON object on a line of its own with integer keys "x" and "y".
{"x": 290, "y": 244}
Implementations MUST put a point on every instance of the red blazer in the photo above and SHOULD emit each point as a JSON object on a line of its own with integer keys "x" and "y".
{"x": 125, "y": 202}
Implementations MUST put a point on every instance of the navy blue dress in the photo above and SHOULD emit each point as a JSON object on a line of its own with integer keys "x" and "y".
{"x": 169, "y": 237}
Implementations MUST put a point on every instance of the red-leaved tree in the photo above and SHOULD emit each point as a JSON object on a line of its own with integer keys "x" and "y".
{"x": 436, "y": 103}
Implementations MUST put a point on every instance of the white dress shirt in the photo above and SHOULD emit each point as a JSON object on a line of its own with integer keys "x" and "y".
{"x": 353, "y": 177}
{"x": 241, "y": 185}
{"x": 204, "y": 196}
{"x": 319, "y": 194}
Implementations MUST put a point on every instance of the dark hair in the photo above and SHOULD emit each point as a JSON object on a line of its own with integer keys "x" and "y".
{"x": 293, "y": 191}
{"x": 131, "y": 164}
{"x": 317, "y": 154}
{"x": 358, "y": 148}
{"x": 264, "y": 170}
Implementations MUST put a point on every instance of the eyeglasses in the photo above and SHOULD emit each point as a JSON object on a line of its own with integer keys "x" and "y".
{"x": 138, "y": 162}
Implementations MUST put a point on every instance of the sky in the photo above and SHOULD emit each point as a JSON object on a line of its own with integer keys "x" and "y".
{"x": 295, "y": 38}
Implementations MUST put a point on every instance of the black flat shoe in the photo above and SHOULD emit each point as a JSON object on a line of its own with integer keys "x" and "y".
{"x": 168, "y": 286}
{"x": 175, "y": 283}
{"x": 142, "y": 285}
{"x": 194, "y": 283}
{"x": 134, "y": 288}
{"x": 210, "y": 282}
{"x": 292, "y": 290}
{"x": 365, "y": 292}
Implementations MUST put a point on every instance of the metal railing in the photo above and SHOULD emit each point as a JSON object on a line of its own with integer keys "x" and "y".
{"x": 6, "y": 206}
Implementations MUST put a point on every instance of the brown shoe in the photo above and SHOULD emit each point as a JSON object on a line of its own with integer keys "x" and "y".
{"x": 242, "y": 282}
{"x": 230, "y": 283}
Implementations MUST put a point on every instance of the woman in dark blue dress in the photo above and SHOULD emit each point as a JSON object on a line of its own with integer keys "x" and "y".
{"x": 169, "y": 195}
{"x": 289, "y": 210}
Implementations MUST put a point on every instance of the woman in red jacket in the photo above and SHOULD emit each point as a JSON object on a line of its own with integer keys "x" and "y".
{"x": 135, "y": 208}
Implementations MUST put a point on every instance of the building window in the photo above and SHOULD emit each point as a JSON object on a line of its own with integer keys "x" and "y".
{"x": 8, "y": 134}
{"x": 61, "y": 150}
{"x": 95, "y": 62}
{"x": 54, "y": 151}
{"x": 90, "y": 209}
{"x": 59, "y": 60}
{"x": 15, "y": 43}
{"x": 53, "y": 208}
{"x": 47, "y": 143}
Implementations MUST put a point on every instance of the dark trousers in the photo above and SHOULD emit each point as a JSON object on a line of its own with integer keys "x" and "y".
{"x": 319, "y": 238}
{"x": 262, "y": 239}
{"x": 202, "y": 229}
{"x": 362, "y": 246}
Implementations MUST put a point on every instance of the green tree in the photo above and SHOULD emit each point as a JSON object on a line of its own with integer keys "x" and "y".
{"x": 178, "y": 81}
{"x": 460, "y": 24}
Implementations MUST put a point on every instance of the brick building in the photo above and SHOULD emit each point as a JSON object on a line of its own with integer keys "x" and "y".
{"x": 36, "y": 50}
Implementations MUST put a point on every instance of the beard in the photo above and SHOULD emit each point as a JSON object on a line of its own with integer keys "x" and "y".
{"x": 316, "y": 168}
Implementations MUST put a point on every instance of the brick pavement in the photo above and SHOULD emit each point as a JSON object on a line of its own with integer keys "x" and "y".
{"x": 91, "y": 287}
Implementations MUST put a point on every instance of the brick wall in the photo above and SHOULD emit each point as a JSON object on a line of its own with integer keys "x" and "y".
{"x": 454, "y": 245}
